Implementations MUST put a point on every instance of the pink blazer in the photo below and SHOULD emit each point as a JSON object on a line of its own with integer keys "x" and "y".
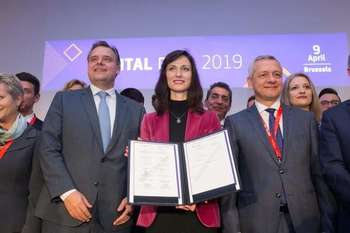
{"x": 156, "y": 128}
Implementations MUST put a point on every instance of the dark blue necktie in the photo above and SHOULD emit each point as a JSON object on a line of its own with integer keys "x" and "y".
{"x": 279, "y": 138}
{"x": 104, "y": 119}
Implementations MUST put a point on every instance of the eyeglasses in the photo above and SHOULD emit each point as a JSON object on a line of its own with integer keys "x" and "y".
{"x": 332, "y": 102}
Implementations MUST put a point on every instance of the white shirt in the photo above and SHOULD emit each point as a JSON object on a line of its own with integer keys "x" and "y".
{"x": 265, "y": 115}
{"x": 111, "y": 100}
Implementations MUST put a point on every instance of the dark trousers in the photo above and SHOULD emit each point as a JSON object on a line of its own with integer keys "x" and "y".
{"x": 91, "y": 227}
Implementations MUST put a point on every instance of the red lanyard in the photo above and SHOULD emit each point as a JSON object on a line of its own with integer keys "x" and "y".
{"x": 32, "y": 121}
{"x": 5, "y": 148}
{"x": 272, "y": 138}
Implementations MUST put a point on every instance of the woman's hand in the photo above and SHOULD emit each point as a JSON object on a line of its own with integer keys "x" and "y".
{"x": 126, "y": 151}
{"x": 191, "y": 208}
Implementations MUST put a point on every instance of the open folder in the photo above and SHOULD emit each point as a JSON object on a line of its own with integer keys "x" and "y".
{"x": 181, "y": 173}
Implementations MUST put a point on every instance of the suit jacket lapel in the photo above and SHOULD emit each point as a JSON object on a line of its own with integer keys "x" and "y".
{"x": 120, "y": 121}
{"x": 190, "y": 129}
{"x": 163, "y": 131}
{"x": 256, "y": 121}
{"x": 286, "y": 132}
{"x": 90, "y": 108}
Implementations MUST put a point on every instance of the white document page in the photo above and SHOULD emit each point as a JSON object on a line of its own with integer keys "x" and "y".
{"x": 208, "y": 163}
{"x": 154, "y": 169}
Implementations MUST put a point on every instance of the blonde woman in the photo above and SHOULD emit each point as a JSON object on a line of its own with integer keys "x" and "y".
{"x": 300, "y": 92}
{"x": 74, "y": 84}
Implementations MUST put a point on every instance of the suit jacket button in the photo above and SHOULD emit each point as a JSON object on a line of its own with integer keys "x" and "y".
{"x": 278, "y": 195}
{"x": 96, "y": 183}
{"x": 281, "y": 171}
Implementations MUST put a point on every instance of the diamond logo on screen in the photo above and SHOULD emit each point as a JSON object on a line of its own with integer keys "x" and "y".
{"x": 72, "y": 52}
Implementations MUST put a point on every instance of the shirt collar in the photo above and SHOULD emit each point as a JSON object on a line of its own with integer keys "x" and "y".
{"x": 96, "y": 90}
{"x": 29, "y": 117}
{"x": 261, "y": 107}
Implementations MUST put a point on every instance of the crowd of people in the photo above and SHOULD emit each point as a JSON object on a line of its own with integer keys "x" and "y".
{"x": 68, "y": 174}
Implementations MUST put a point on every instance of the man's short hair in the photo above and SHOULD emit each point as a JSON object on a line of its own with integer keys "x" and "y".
{"x": 259, "y": 58}
{"x": 134, "y": 94}
{"x": 103, "y": 43}
{"x": 252, "y": 97}
{"x": 222, "y": 85}
{"x": 27, "y": 77}
{"x": 328, "y": 90}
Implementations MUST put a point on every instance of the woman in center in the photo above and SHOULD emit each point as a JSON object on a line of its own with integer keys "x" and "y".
{"x": 179, "y": 117}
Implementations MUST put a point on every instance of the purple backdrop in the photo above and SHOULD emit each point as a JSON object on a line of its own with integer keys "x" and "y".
{"x": 218, "y": 58}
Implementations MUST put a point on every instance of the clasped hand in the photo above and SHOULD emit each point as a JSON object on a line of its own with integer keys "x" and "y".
{"x": 79, "y": 207}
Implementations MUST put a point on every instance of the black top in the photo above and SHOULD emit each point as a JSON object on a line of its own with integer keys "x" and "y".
{"x": 177, "y": 120}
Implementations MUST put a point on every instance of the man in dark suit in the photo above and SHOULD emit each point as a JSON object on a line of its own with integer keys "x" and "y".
{"x": 31, "y": 87}
{"x": 276, "y": 149}
{"x": 335, "y": 159}
{"x": 82, "y": 153}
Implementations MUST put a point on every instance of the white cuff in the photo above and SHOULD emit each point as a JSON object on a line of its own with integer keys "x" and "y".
{"x": 66, "y": 194}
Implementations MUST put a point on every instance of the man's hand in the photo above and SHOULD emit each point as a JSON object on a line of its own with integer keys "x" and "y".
{"x": 187, "y": 207}
{"x": 78, "y": 206}
{"x": 127, "y": 211}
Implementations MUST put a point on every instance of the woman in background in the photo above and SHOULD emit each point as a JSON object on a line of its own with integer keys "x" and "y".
{"x": 179, "y": 117}
{"x": 300, "y": 92}
{"x": 17, "y": 142}
{"x": 74, "y": 84}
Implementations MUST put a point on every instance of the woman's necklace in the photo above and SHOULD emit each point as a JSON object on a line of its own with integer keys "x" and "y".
{"x": 178, "y": 118}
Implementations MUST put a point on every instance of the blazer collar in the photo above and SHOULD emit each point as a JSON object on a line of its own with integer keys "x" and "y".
{"x": 256, "y": 120}
{"x": 88, "y": 102}
{"x": 163, "y": 120}
{"x": 121, "y": 116}
{"x": 25, "y": 139}
{"x": 120, "y": 121}
{"x": 287, "y": 126}
{"x": 190, "y": 131}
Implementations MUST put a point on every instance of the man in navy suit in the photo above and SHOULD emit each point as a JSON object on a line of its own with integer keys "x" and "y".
{"x": 335, "y": 159}
{"x": 82, "y": 153}
{"x": 276, "y": 148}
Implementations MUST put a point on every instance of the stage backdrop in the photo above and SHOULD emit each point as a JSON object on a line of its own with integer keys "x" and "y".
{"x": 219, "y": 58}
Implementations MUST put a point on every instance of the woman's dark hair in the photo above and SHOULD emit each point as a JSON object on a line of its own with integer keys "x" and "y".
{"x": 162, "y": 91}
